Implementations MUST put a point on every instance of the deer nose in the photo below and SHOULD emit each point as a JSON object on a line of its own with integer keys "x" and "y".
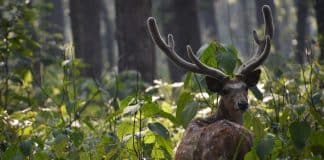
{"x": 243, "y": 105}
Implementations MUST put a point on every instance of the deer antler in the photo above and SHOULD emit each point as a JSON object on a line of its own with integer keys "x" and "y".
{"x": 263, "y": 45}
{"x": 168, "y": 48}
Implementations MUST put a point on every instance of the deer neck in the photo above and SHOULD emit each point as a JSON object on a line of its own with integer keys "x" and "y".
{"x": 224, "y": 113}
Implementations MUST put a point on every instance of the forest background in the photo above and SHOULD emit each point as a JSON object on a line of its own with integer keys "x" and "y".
{"x": 83, "y": 79}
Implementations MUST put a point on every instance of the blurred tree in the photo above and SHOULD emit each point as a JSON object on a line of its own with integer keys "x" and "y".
{"x": 208, "y": 18}
{"x": 319, "y": 8}
{"x": 55, "y": 17}
{"x": 271, "y": 4}
{"x": 301, "y": 29}
{"x": 108, "y": 36}
{"x": 245, "y": 28}
{"x": 165, "y": 17}
{"x": 186, "y": 32}
{"x": 136, "y": 49}
{"x": 52, "y": 23}
{"x": 287, "y": 26}
{"x": 85, "y": 21}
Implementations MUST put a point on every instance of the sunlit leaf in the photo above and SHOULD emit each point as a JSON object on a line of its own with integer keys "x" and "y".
{"x": 124, "y": 128}
{"x": 132, "y": 109}
{"x": 207, "y": 54}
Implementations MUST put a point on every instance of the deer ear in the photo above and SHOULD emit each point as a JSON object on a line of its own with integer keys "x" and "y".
{"x": 252, "y": 78}
{"x": 214, "y": 85}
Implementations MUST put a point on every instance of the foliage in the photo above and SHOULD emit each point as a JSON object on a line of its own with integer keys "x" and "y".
{"x": 66, "y": 116}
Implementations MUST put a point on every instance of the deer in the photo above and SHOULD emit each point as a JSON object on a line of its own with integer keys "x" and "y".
{"x": 222, "y": 134}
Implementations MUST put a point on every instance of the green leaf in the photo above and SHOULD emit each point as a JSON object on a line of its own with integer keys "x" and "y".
{"x": 316, "y": 115}
{"x": 184, "y": 98}
{"x": 149, "y": 138}
{"x": 188, "y": 113}
{"x": 227, "y": 62}
{"x": 77, "y": 138}
{"x": 252, "y": 155}
{"x": 42, "y": 155}
{"x": 26, "y": 147}
{"x": 299, "y": 131}
{"x": 220, "y": 56}
{"x": 124, "y": 128}
{"x": 316, "y": 98}
{"x": 265, "y": 146}
{"x": 256, "y": 92}
{"x": 317, "y": 138}
{"x": 126, "y": 101}
{"x": 317, "y": 143}
{"x": 188, "y": 81}
{"x": 207, "y": 54}
{"x": 168, "y": 116}
{"x": 60, "y": 142}
{"x": 159, "y": 129}
{"x": 165, "y": 145}
{"x": 150, "y": 109}
{"x": 89, "y": 124}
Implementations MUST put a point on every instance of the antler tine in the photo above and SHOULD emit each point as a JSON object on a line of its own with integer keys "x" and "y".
{"x": 212, "y": 71}
{"x": 264, "y": 44}
{"x": 168, "y": 49}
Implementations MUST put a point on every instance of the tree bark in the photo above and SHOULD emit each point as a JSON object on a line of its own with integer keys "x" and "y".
{"x": 55, "y": 17}
{"x": 319, "y": 8}
{"x": 246, "y": 28}
{"x": 85, "y": 21}
{"x": 302, "y": 14}
{"x": 108, "y": 37}
{"x": 136, "y": 49}
{"x": 187, "y": 32}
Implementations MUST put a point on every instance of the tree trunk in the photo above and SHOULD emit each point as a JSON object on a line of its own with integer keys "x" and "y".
{"x": 108, "y": 37}
{"x": 55, "y": 17}
{"x": 136, "y": 49}
{"x": 85, "y": 21}
{"x": 302, "y": 14}
{"x": 246, "y": 28}
{"x": 260, "y": 22}
{"x": 319, "y": 8}
{"x": 208, "y": 18}
{"x": 187, "y": 32}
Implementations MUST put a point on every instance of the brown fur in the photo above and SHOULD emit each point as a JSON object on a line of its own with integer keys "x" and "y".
{"x": 221, "y": 135}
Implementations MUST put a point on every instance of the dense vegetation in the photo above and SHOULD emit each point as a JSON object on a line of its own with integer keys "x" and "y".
{"x": 63, "y": 115}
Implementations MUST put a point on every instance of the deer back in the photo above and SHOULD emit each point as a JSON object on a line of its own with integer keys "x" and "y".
{"x": 220, "y": 140}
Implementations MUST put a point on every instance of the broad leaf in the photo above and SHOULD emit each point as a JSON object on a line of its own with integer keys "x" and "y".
{"x": 300, "y": 131}
{"x": 159, "y": 129}
{"x": 265, "y": 146}
{"x": 188, "y": 113}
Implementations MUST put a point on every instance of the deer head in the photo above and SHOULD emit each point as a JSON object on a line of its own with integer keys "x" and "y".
{"x": 233, "y": 91}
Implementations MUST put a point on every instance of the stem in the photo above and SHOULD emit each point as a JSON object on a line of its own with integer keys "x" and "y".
{"x": 6, "y": 89}
{"x": 6, "y": 67}
{"x": 200, "y": 89}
